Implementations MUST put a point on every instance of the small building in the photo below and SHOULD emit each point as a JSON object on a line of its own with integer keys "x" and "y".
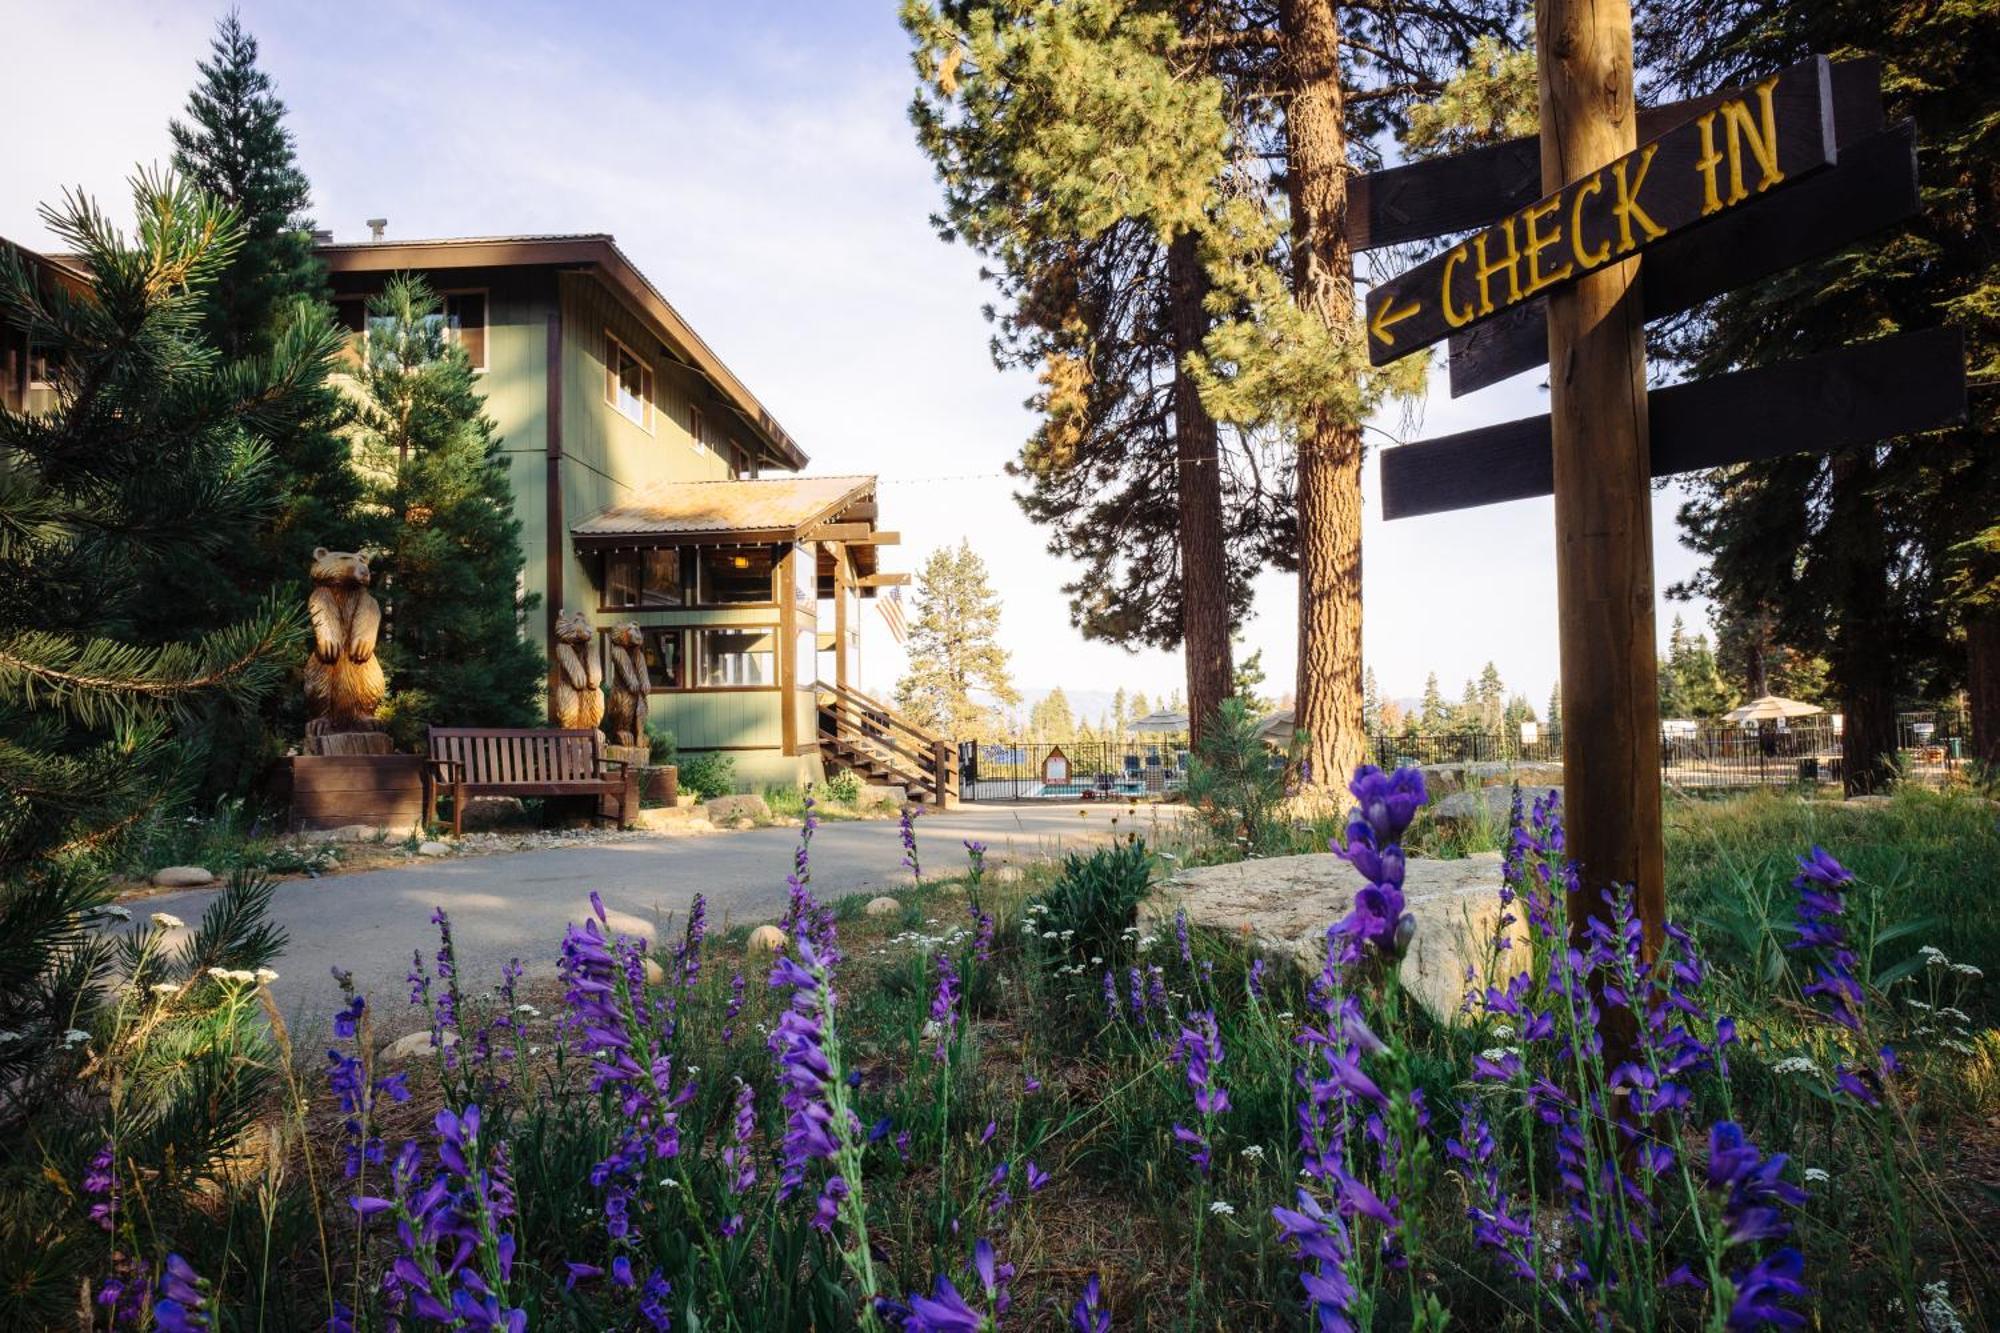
{"x": 653, "y": 487}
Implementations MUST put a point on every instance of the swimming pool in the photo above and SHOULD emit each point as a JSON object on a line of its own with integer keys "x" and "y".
{"x": 1072, "y": 790}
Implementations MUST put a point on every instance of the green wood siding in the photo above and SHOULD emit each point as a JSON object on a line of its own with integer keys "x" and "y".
{"x": 712, "y": 719}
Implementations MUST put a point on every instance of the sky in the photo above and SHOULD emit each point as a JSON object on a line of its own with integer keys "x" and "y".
{"x": 755, "y": 159}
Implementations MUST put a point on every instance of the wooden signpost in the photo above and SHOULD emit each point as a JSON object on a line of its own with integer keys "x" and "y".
{"x": 1769, "y": 135}
{"x": 1726, "y": 189}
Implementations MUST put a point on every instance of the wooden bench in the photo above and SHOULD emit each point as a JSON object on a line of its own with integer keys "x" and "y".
{"x": 519, "y": 761}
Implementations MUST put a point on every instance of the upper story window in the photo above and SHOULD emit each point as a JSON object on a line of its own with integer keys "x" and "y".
{"x": 44, "y": 364}
{"x": 465, "y": 324}
{"x": 462, "y": 317}
{"x": 736, "y": 575}
{"x": 628, "y": 383}
{"x": 698, "y": 430}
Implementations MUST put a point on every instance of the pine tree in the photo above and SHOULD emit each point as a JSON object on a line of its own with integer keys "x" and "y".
{"x": 150, "y": 459}
{"x": 1141, "y": 706}
{"x": 1371, "y": 703}
{"x": 1433, "y": 714}
{"x": 1555, "y": 714}
{"x": 1096, "y": 149}
{"x": 1249, "y": 683}
{"x": 1492, "y": 698}
{"x": 1051, "y": 719}
{"x": 1118, "y": 715}
{"x": 1869, "y": 557}
{"x": 235, "y": 147}
{"x": 954, "y": 648}
{"x": 444, "y": 514}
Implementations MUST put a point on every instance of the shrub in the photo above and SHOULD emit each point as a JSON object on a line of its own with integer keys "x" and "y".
{"x": 1235, "y": 780}
{"x": 1097, "y": 898}
{"x": 708, "y": 775}
{"x": 844, "y": 786}
{"x": 660, "y": 746}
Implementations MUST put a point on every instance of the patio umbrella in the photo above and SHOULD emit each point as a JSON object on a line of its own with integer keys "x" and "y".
{"x": 1161, "y": 723}
{"x": 1770, "y": 708}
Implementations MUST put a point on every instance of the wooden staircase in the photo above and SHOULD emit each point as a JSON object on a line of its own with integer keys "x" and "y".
{"x": 878, "y": 744}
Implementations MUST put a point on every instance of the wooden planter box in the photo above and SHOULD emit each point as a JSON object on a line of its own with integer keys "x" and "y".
{"x": 332, "y": 791}
{"x": 661, "y": 786}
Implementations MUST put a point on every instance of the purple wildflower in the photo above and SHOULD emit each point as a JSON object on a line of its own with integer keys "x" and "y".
{"x": 911, "y": 862}
{"x": 100, "y": 1185}
{"x": 1088, "y": 1315}
{"x": 1754, "y": 1186}
{"x": 944, "y": 1007}
{"x": 737, "y": 992}
{"x": 1320, "y": 1242}
{"x": 975, "y": 858}
{"x": 1759, "y": 1291}
{"x": 184, "y": 1298}
{"x": 798, "y": 1044}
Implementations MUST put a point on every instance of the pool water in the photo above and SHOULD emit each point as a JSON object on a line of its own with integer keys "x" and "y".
{"x": 1059, "y": 789}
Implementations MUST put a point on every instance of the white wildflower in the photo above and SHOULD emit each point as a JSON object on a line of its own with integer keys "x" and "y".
{"x": 1958, "y": 1016}
{"x": 1816, "y": 1176}
{"x": 1498, "y": 1053}
{"x": 1222, "y": 1208}
{"x": 1934, "y": 956}
{"x": 265, "y": 976}
{"x": 1096, "y": 961}
{"x": 8, "y": 1035}
{"x": 231, "y": 974}
{"x": 1503, "y": 1033}
{"x": 534, "y": 1050}
{"x": 527, "y": 1010}
{"x": 1916, "y": 1004}
{"x": 1967, "y": 970}
{"x": 1955, "y": 1045}
{"x": 1797, "y": 1064}
{"x": 1284, "y": 1016}
{"x": 1937, "y": 1312}
{"x": 1253, "y": 1153}
{"x": 168, "y": 921}
{"x": 165, "y": 988}
{"x": 75, "y": 1037}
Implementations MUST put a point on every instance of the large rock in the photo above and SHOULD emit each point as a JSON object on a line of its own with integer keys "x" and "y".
{"x": 1490, "y": 804}
{"x": 767, "y": 939}
{"x": 687, "y": 818}
{"x": 729, "y": 809}
{"x": 881, "y": 793}
{"x": 1444, "y": 779}
{"x": 1287, "y": 902}
{"x": 417, "y": 1045}
{"x": 882, "y": 906}
{"x": 491, "y": 812}
{"x": 434, "y": 849}
{"x": 182, "y": 877}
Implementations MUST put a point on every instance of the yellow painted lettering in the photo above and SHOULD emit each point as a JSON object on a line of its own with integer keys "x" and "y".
{"x": 1586, "y": 258}
{"x": 1710, "y": 159}
{"x": 1484, "y": 270}
{"x": 1760, "y": 133}
{"x": 1536, "y": 240}
{"x": 1454, "y": 315}
{"x": 1626, "y": 208}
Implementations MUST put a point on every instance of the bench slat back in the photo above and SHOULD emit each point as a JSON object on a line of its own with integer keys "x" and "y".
{"x": 506, "y": 755}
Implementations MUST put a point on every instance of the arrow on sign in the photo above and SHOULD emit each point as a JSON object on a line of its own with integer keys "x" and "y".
{"x": 1387, "y": 316}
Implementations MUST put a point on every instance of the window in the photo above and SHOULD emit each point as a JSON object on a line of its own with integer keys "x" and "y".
{"x": 698, "y": 430}
{"x": 666, "y": 667}
{"x": 737, "y": 657}
{"x": 647, "y": 578}
{"x": 44, "y": 364}
{"x": 735, "y": 575}
{"x": 465, "y": 324}
{"x": 628, "y": 383}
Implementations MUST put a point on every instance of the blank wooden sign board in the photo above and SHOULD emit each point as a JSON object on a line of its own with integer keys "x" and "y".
{"x": 1723, "y": 190}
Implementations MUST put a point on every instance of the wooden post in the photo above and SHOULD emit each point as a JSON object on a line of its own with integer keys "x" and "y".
{"x": 1604, "y": 536}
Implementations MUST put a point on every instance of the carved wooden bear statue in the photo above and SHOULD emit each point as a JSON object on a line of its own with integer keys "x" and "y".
{"x": 579, "y": 673}
{"x": 344, "y": 684}
{"x": 626, "y": 718}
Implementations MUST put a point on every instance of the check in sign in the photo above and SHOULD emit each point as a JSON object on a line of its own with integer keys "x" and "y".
{"x": 1757, "y": 139}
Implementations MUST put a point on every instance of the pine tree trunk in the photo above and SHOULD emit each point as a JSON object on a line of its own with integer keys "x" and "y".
{"x": 1204, "y": 575}
{"x": 1329, "y": 479}
{"x": 1863, "y": 660}
{"x": 1982, "y": 685}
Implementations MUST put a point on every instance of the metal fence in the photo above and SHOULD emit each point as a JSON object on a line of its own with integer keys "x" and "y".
{"x": 1699, "y": 758}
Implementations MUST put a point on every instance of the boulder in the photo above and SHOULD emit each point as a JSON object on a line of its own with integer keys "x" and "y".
{"x": 1494, "y": 804}
{"x": 1287, "y": 902}
{"x": 434, "y": 849}
{"x": 350, "y": 833}
{"x": 1444, "y": 779}
{"x": 729, "y": 809}
{"x": 1005, "y": 874}
{"x": 877, "y": 793}
{"x": 416, "y": 1046}
{"x": 182, "y": 877}
{"x": 767, "y": 939}
{"x": 489, "y": 812}
{"x": 672, "y": 818}
{"x": 883, "y": 906}
{"x": 655, "y": 974}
